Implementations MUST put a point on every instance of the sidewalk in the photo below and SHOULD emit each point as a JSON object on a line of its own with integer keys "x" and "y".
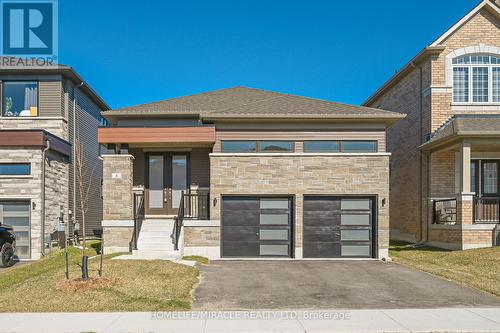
{"x": 405, "y": 320}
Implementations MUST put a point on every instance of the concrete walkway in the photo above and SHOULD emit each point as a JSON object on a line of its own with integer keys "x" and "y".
{"x": 393, "y": 320}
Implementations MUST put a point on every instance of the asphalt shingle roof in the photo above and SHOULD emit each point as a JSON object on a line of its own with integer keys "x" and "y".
{"x": 463, "y": 125}
{"x": 242, "y": 102}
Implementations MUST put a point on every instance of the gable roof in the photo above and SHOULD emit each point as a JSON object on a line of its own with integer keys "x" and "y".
{"x": 434, "y": 48}
{"x": 250, "y": 103}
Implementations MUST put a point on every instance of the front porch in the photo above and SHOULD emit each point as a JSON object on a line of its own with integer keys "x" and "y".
{"x": 463, "y": 184}
{"x": 166, "y": 172}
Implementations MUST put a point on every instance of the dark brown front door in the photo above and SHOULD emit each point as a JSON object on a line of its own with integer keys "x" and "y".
{"x": 166, "y": 178}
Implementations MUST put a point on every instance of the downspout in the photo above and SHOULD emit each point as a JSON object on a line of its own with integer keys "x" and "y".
{"x": 44, "y": 151}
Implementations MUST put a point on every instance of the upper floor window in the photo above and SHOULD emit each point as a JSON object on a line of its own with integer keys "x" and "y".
{"x": 476, "y": 78}
{"x": 20, "y": 99}
{"x": 348, "y": 146}
{"x": 257, "y": 146}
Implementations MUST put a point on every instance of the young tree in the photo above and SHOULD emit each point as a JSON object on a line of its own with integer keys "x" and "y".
{"x": 84, "y": 180}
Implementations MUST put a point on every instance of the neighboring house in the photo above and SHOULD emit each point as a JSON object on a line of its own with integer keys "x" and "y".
{"x": 446, "y": 152}
{"x": 42, "y": 111}
{"x": 264, "y": 174}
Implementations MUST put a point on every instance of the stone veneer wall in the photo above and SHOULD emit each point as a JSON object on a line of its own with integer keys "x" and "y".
{"x": 56, "y": 189}
{"x": 118, "y": 224}
{"x": 29, "y": 188}
{"x": 303, "y": 174}
{"x": 56, "y": 126}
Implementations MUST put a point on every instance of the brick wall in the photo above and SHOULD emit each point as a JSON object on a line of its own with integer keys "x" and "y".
{"x": 403, "y": 140}
{"x": 302, "y": 175}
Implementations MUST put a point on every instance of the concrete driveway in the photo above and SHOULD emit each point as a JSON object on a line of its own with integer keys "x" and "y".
{"x": 240, "y": 285}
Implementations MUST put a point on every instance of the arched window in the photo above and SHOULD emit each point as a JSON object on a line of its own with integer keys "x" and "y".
{"x": 476, "y": 78}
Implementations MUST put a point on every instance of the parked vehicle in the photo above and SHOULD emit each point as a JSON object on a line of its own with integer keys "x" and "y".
{"x": 7, "y": 245}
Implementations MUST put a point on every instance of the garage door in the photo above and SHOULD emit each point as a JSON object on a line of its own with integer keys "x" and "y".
{"x": 17, "y": 215}
{"x": 338, "y": 227}
{"x": 256, "y": 227}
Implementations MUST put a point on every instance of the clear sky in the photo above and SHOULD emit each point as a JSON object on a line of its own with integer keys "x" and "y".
{"x": 134, "y": 52}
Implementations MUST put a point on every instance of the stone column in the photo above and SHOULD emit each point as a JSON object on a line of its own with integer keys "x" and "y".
{"x": 465, "y": 197}
{"x": 118, "y": 210}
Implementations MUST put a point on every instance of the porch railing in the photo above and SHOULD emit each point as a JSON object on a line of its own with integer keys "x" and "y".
{"x": 444, "y": 211}
{"x": 191, "y": 206}
{"x": 138, "y": 217}
{"x": 486, "y": 209}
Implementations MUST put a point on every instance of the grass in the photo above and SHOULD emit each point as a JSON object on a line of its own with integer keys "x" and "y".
{"x": 129, "y": 285}
{"x": 477, "y": 268}
{"x": 200, "y": 259}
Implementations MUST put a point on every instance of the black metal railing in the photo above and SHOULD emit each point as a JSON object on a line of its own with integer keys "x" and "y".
{"x": 193, "y": 206}
{"x": 178, "y": 221}
{"x": 444, "y": 211}
{"x": 138, "y": 203}
{"x": 196, "y": 206}
{"x": 486, "y": 209}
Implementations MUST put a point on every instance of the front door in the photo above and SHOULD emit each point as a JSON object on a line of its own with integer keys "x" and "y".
{"x": 166, "y": 178}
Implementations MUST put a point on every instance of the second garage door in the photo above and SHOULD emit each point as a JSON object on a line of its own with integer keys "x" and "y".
{"x": 338, "y": 227}
{"x": 256, "y": 227}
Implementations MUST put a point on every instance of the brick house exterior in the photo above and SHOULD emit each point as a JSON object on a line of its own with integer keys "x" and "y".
{"x": 262, "y": 174}
{"x": 41, "y": 110}
{"x": 431, "y": 195}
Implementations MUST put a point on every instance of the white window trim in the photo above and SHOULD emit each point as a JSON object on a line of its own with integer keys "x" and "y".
{"x": 481, "y": 48}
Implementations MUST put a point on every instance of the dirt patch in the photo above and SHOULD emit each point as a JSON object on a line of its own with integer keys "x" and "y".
{"x": 76, "y": 285}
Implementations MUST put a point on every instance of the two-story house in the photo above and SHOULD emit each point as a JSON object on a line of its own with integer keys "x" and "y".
{"x": 445, "y": 186}
{"x": 43, "y": 112}
{"x": 246, "y": 173}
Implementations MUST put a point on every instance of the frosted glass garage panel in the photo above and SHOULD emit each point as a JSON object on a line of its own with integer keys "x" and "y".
{"x": 355, "y": 204}
{"x": 273, "y": 203}
{"x": 274, "y": 250}
{"x": 355, "y": 219}
{"x": 355, "y": 250}
{"x": 273, "y": 234}
{"x": 277, "y": 219}
{"x": 355, "y": 235}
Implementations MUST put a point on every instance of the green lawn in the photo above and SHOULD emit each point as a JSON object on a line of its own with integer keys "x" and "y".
{"x": 477, "y": 268}
{"x": 127, "y": 285}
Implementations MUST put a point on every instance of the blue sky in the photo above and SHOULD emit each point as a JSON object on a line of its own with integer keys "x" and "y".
{"x": 134, "y": 52}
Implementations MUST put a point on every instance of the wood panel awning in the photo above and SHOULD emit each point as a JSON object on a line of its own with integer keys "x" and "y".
{"x": 141, "y": 135}
{"x": 34, "y": 138}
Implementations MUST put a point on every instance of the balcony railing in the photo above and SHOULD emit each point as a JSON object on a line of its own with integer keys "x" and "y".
{"x": 487, "y": 210}
{"x": 444, "y": 211}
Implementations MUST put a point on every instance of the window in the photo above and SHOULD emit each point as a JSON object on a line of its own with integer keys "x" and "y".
{"x": 359, "y": 146}
{"x": 275, "y": 146}
{"x": 239, "y": 146}
{"x": 340, "y": 146}
{"x": 321, "y": 146}
{"x": 20, "y": 99}
{"x": 257, "y": 146}
{"x": 476, "y": 79}
{"x": 474, "y": 172}
{"x": 490, "y": 177}
{"x": 15, "y": 169}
